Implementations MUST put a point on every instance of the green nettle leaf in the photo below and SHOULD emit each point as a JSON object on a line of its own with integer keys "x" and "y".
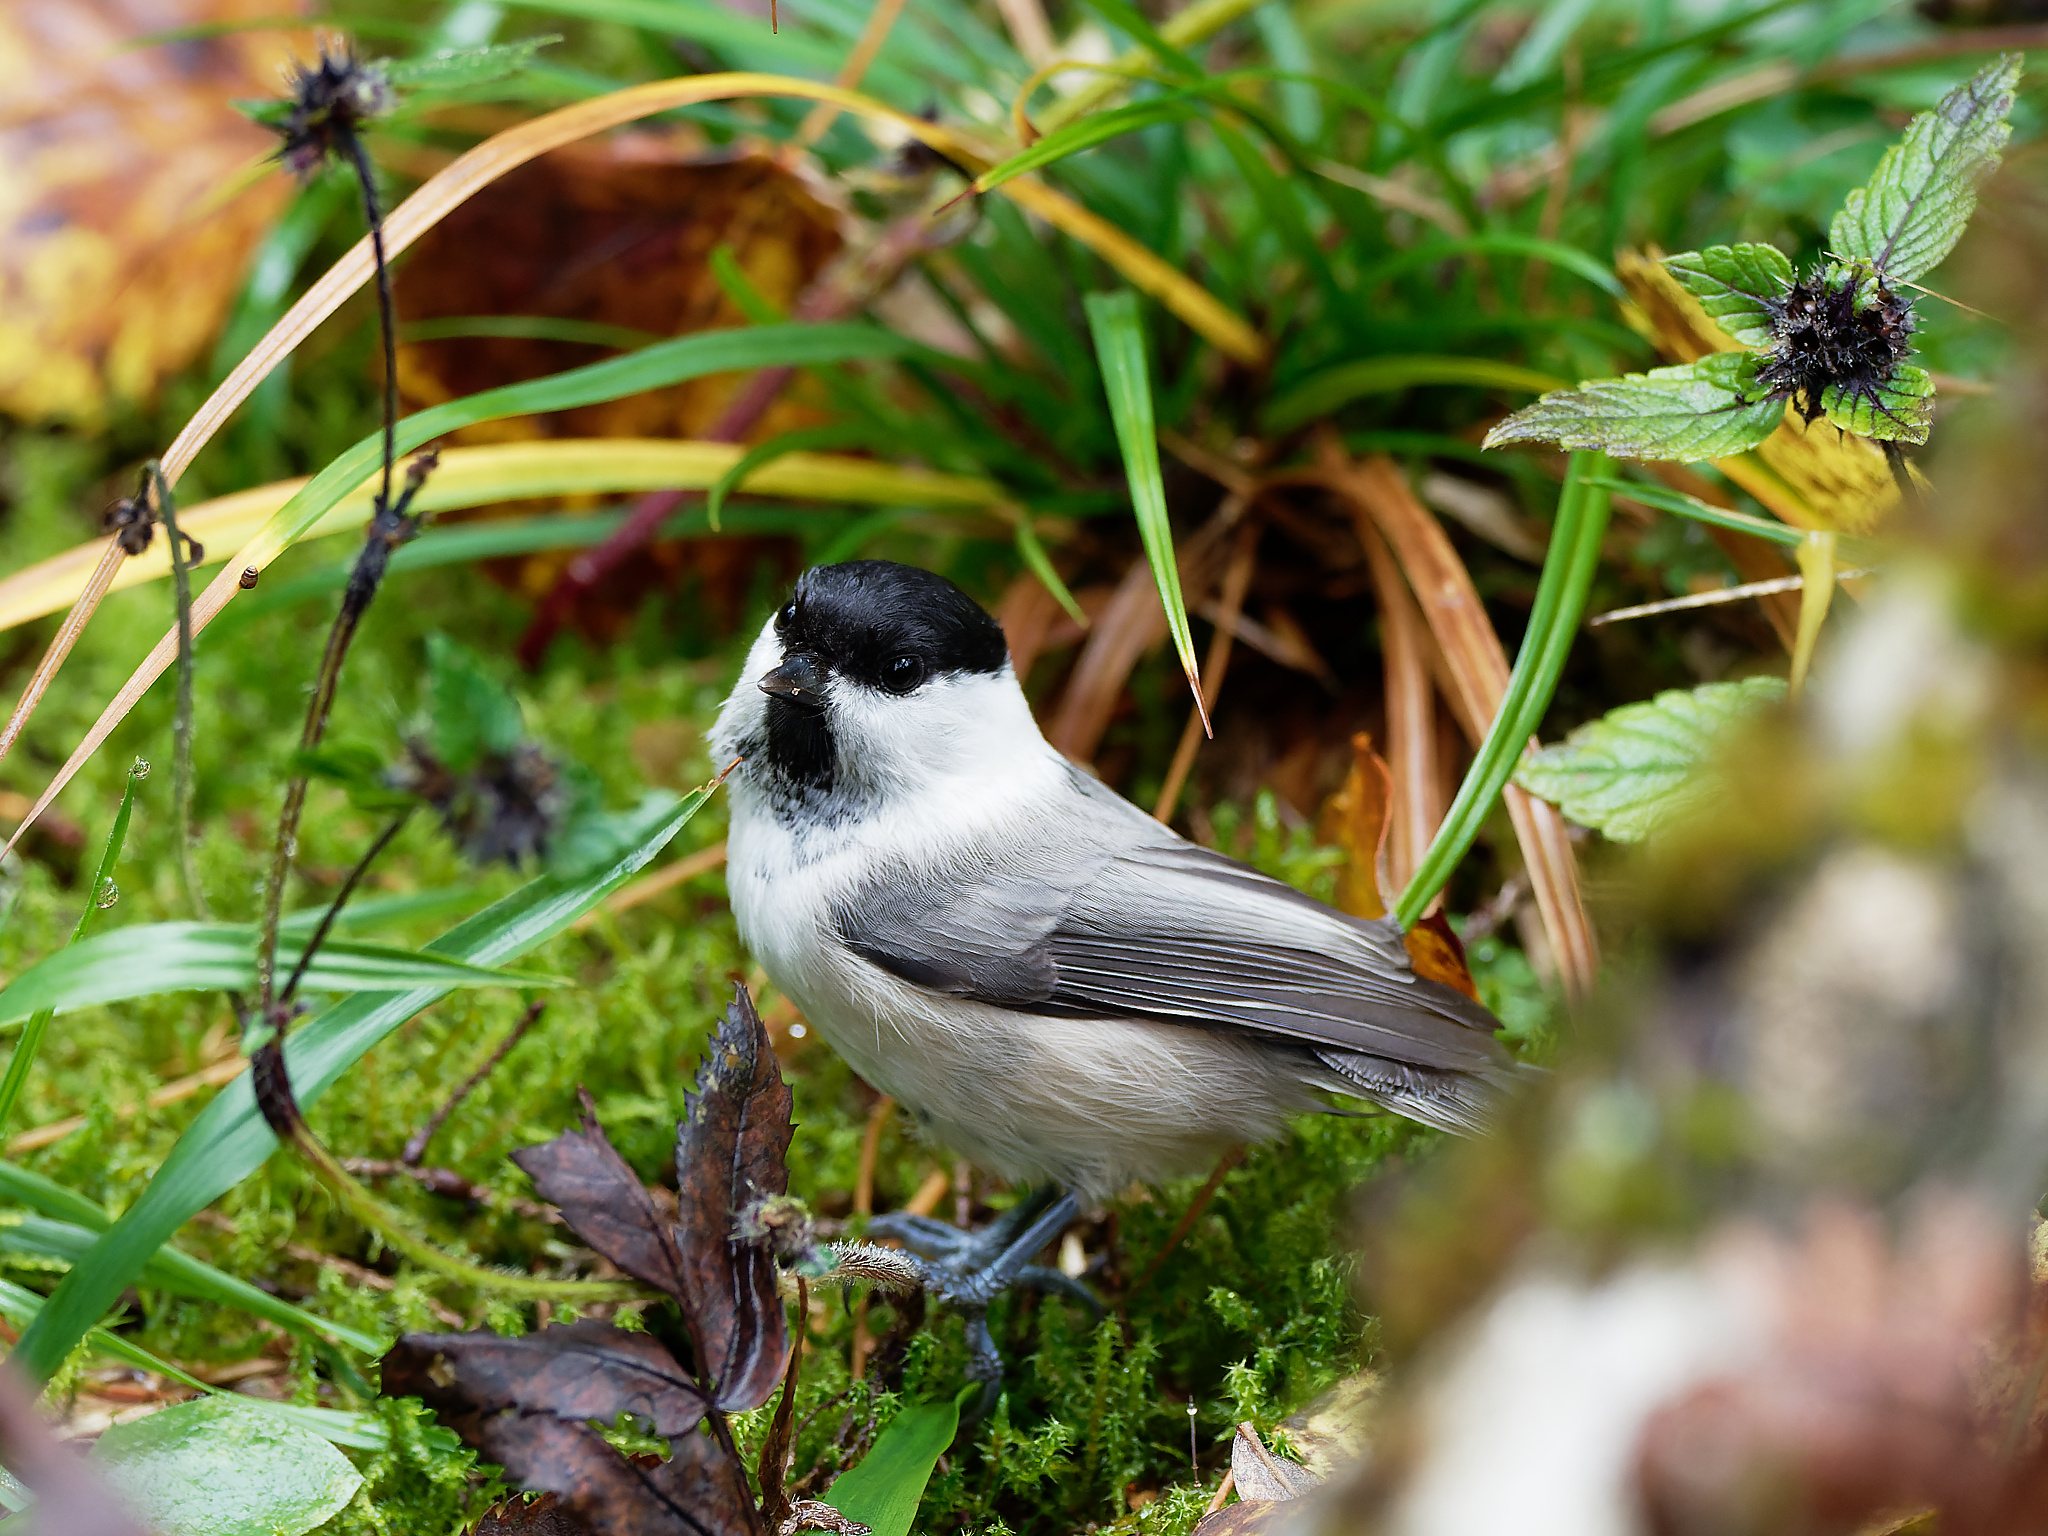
{"x": 470, "y": 711}
{"x": 455, "y": 69}
{"x": 1899, "y": 409}
{"x": 1736, "y": 285}
{"x": 1638, "y": 766}
{"x": 216, "y": 1468}
{"x": 1701, "y": 410}
{"x": 1911, "y": 212}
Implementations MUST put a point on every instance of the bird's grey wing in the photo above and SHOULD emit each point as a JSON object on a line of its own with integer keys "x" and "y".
{"x": 1102, "y": 913}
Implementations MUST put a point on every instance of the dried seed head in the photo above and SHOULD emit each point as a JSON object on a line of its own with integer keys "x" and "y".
{"x": 132, "y": 522}
{"x": 329, "y": 101}
{"x": 507, "y": 807}
{"x": 1835, "y": 327}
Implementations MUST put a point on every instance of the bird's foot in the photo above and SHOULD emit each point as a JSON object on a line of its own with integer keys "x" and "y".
{"x": 968, "y": 1270}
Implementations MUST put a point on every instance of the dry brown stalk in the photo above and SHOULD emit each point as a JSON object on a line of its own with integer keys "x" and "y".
{"x": 1477, "y": 665}
{"x": 1411, "y": 714}
{"x": 864, "y": 1205}
{"x": 1237, "y": 580}
{"x": 1130, "y": 624}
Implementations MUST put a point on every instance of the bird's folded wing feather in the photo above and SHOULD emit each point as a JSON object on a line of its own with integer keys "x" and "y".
{"x": 1111, "y": 917}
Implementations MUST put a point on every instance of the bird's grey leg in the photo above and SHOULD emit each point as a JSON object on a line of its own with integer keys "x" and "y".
{"x": 969, "y": 1270}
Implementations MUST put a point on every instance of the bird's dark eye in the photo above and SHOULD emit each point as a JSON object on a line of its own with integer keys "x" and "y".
{"x": 902, "y": 674}
{"x": 788, "y": 615}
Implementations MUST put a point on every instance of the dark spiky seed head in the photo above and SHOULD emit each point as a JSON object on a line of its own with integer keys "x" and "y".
{"x": 132, "y": 523}
{"x": 508, "y": 807}
{"x": 1822, "y": 336}
{"x": 330, "y": 101}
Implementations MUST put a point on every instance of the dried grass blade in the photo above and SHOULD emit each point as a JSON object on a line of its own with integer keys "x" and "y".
{"x": 1411, "y": 714}
{"x": 96, "y": 586}
{"x": 1237, "y": 581}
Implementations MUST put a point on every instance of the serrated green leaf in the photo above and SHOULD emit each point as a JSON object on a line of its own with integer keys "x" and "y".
{"x": 1701, "y": 410}
{"x": 215, "y": 1467}
{"x": 470, "y": 712}
{"x": 1735, "y": 285}
{"x": 1637, "y": 766}
{"x": 455, "y": 69}
{"x": 1900, "y": 410}
{"x": 1911, "y": 212}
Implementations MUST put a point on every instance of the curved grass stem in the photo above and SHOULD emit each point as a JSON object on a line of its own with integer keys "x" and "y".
{"x": 1553, "y": 622}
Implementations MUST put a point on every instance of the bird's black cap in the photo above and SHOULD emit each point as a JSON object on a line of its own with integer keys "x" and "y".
{"x": 888, "y": 626}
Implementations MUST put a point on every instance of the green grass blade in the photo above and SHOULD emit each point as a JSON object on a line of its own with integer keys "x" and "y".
{"x": 31, "y": 1040}
{"x": 845, "y": 434}
{"x": 528, "y": 328}
{"x": 1553, "y": 623}
{"x": 655, "y": 367}
{"x": 1032, "y": 552}
{"x": 1334, "y": 388}
{"x": 1089, "y": 132}
{"x": 181, "y": 1275}
{"x": 149, "y": 959}
{"x": 882, "y": 1492}
{"x": 229, "y": 1140}
{"x": 19, "y": 1305}
{"x": 1567, "y": 257}
{"x": 1120, "y": 349}
{"x": 1127, "y": 18}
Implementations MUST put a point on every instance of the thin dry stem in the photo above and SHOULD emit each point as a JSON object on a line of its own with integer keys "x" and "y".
{"x": 1237, "y": 580}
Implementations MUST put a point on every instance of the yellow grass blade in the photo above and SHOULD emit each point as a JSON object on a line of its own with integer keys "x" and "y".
{"x": 493, "y": 158}
{"x": 472, "y": 477}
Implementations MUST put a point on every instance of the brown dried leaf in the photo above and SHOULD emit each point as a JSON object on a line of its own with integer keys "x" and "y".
{"x": 1356, "y": 820}
{"x": 603, "y": 1203}
{"x": 544, "y": 1516}
{"x": 1259, "y": 1474}
{"x": 1252, "y": 1517}
{"x": 1437, "y": 954}
{"x": 699, "y": 1491}
{"x": 730, "y": 1147}
{"x": 133, "y": 193}
{"x": 582, "y": 1370}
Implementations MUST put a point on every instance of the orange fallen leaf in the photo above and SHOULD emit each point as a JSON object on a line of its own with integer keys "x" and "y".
{"x": 131, "y": 194}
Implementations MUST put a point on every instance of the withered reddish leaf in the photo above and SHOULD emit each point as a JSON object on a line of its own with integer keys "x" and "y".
{"x": 544, "y": 1516}
{"x": 1437, "y": 954}
{"x": 730, "y": 1148}
{"x": 604, "y": 1204}
{"x": 699, "y": 1491}
{"x": 581, "y": 1370}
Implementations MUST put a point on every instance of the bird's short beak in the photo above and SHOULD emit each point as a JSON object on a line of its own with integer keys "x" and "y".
{"x": 799, "y": 679}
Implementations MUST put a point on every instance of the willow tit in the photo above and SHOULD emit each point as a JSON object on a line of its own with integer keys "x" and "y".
{"x": 1056, "y": 986}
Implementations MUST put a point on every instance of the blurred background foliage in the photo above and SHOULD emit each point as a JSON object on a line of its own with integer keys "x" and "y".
{"x": 1417, "y": 209}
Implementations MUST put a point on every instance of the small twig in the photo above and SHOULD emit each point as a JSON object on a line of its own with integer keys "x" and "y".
{"x": 864, "y": 1205}
{"x": 1193, "y": 1214}
{"x": 773, "y": 1468}
{"x": 416, "y": 1145}
{"x": 1237, "y": 580}
{"x": 327, "y": 918}
{"x": 1222, "y": 1493}
{"x": 1715, "y": 597}
{"x": 1486, "y": 920}
{"x": 387, "y": 323}
{"x": 181, "y": 725}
